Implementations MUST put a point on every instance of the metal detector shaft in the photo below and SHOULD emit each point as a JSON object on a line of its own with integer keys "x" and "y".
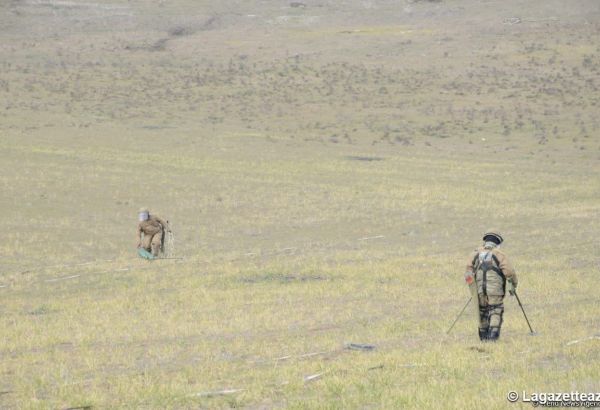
{"x": 523, "y": 310}
{"x": 460, "y": 314}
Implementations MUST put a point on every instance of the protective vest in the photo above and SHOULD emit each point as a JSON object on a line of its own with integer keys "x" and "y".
{"x": 490, "y": 279}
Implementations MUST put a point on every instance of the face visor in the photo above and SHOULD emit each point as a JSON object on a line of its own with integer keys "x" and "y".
{"x": 493, "y": 238}
{"x": 143, "y": 216}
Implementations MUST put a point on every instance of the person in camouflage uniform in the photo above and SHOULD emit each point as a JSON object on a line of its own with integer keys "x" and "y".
{"x": 492, "y": 270}
{"x": 151, "y": 230}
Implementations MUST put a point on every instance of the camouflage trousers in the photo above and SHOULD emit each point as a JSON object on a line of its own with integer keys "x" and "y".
{"x": 491, "y": 310}
{"x": 152, "y": 243}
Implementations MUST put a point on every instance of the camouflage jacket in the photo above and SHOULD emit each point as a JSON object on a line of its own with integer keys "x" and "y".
{"x": 153, "y": 225}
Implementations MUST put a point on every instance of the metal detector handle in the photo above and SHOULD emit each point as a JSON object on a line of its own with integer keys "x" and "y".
{"x": 459, "y": 315}
{"x": 523, "y": 310}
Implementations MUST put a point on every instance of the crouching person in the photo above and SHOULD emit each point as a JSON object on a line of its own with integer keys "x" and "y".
{"x": 151, "y": 231}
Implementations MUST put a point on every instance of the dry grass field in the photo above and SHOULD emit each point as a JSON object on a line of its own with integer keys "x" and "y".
{"x": 327, "y": 166}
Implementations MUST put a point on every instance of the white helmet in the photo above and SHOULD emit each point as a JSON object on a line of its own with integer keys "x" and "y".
{"x": 143, "y": 214}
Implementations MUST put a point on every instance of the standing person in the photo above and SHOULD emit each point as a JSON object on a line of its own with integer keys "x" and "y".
{"x": 150, "y": 232}
{"x": 490, "y": 268}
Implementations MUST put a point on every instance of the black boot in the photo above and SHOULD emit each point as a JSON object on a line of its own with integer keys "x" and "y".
{"x": 494, "y": 334}
{"x": 483, "y": 335}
